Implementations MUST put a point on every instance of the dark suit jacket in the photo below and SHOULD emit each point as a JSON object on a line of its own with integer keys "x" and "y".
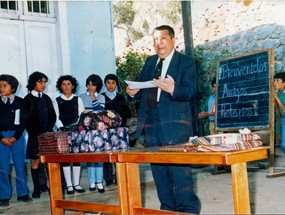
{"x": 174, "y": 111}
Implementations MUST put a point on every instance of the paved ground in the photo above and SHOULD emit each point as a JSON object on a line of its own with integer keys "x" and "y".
{"x": 266, "y": 194}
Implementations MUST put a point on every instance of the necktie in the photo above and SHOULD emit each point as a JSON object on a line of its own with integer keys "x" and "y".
{"x": 158, "y": 68}
{"x": 40, "y": 95}
{"x": 8, "y": 102}
{"x": 152, "y": 93}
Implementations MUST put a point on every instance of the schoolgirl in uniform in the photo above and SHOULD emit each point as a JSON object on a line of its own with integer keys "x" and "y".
{"x": 40, "y": 119}
{"x": 68, "y": 108}
{"x": 12, "y": 126}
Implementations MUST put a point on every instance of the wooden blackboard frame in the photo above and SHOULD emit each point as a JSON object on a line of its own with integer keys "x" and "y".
{"x": 270, "y": 110}
{"x": 234, "y": 123}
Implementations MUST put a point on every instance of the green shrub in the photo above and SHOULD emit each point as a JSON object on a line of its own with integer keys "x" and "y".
{"x": 206, "y": 71}
{"x": 129, "y": 67}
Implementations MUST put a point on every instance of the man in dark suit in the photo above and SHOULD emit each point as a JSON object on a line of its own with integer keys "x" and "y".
{"x": 165, "y": 117}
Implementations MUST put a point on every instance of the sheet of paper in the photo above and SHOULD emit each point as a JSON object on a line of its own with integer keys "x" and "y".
{"x": 140, "y": 85}
{"x": 17, "y": 117}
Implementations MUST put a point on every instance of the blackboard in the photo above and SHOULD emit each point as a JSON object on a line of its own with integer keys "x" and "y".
{"x": 243, "y": 91}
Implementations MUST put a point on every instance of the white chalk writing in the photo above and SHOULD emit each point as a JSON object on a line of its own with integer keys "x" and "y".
{"x": 227, "y": 111}
{"x": 235, "y": 92}
{"x": 253, "y": 68}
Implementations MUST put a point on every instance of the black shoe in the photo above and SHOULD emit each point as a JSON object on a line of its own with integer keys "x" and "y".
{"x": 70, "y": 191}
{"x": 36, "y": 194}
{"x": 92, "y": 188}
{"x": 101, "y": 189}
{"x": 44, "y": 188}
{"x": 4, "y": 204}
{"x": 25, "y": 198}
{"x": 224, "y": 168}
{"x": 109, "y": 183}
{"x": 79, "y": 189}
{"x": 221, "y": 169}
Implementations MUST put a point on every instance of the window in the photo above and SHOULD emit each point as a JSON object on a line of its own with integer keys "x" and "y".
{"x": 27, "y": 9}
{"x": 39, "y": 8}
{"x": 10, "y": 7}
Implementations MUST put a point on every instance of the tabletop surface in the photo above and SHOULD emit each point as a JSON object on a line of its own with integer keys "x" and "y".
{"x": 153, "y": 155}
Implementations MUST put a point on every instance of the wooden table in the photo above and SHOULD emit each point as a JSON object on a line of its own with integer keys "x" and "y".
{"x": 128, "y": 177}
{"x": 57, "y": 204}
{"x": 127, "y": 165}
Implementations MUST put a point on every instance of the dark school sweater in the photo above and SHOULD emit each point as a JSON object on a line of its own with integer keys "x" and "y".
{"x": 7, "y": 117}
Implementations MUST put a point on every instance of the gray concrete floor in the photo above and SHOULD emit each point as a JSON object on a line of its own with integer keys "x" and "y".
{"x": 266, "y": 194}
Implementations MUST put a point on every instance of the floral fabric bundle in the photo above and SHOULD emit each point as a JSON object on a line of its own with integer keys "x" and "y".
{"x": 99, "y": 120}
{"x": 97, "y": 140}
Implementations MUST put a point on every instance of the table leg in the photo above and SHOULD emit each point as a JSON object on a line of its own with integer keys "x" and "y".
{"x": 134, "y": 188}
{"x": 129, "y": 186}
{"x": 240, "y": 188}
{"x": 55, "y": 187}
{"x": 122, "y": 187}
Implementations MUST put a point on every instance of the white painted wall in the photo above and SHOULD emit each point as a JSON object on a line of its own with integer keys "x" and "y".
{"x": 12, "y": 52}
{"x": 91, "y": 39}
{"x": 79, "y": 41}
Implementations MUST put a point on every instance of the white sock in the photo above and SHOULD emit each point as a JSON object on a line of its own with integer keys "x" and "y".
{"x": 67, "y": 175}
{"x": 76, "y": 175}
{"x": 100, "y": 186}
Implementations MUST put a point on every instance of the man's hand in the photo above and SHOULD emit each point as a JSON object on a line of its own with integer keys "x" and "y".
{"x": 166, "y": 84}
{"x": 132, "y": 92}
{"x": 203, "y": 115}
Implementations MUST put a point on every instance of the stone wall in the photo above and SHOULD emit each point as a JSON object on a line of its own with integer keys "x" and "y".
{"x": 241, "y": 28}
{"x": 229, "y": 25}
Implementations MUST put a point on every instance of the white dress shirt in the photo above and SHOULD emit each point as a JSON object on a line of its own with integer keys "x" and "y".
{"x": 164, "y": 69}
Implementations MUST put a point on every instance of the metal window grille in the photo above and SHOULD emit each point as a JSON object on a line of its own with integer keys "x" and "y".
{"x": 28, "y": 8}
{"x": 39, "y": 8}
{"x": 10, "y": 7}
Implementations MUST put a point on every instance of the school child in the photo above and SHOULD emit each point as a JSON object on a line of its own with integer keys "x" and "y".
{"x": 68, "y": 108}
{"x": 211, "y": 109}
{"x": 117, "y": 102}
{"x": 114, "y": 100}
{"x": 279, "y": 96}
{"x": 40, "y": 119}
{"x": 12, "y": 125}
{"x": 93, "y": 100}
